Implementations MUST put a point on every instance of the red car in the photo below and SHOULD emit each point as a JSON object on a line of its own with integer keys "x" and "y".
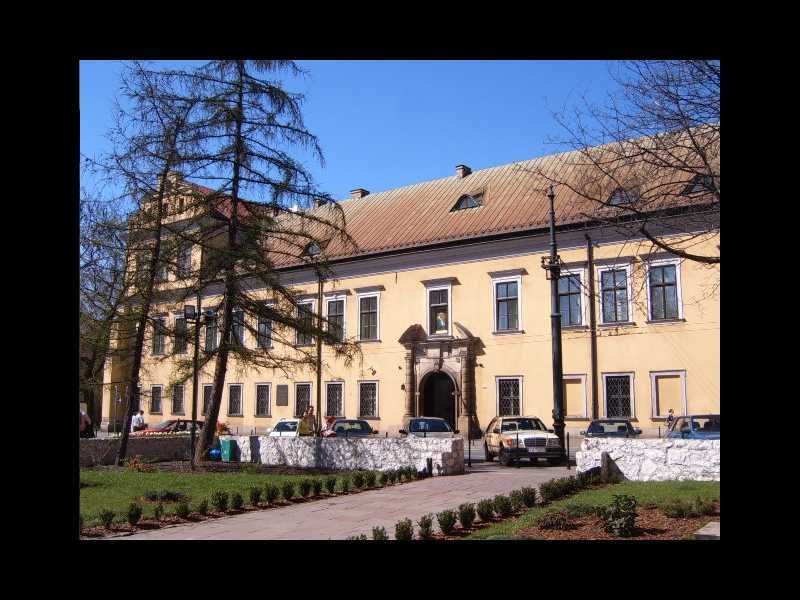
{"x": 171, "y": 426}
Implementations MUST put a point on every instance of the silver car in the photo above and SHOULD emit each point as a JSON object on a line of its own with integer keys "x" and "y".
{"x": 425, "y": 427}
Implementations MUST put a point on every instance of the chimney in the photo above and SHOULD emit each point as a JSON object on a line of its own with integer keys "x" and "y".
{"x": 358, "y": 193}
{"x": 462, "y": 171}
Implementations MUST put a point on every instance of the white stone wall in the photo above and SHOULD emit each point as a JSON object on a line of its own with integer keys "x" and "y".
{"x": 379, "y": 454}
{"x": 654, "y": 460}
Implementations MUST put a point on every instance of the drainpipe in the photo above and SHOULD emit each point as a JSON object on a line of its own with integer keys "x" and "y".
{"x": 592, "y": 324}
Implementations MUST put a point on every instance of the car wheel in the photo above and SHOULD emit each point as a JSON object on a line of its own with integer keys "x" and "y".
{"x": 504, "y": 458}
{"x": 489, "y": 455}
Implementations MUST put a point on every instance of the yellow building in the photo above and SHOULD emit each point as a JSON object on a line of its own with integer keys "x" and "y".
{"x": 451, "y": 308}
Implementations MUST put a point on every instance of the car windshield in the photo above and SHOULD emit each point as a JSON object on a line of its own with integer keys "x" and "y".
{"x": 352, "y": 427}
{"x": 610, "y": 427}
{"x": 163, "y": 425}
{"x": 286, "y": 426}
{"x": 709, "y": 423}
{"x": 429, "y": 425}
{"x": 523, "y": 424}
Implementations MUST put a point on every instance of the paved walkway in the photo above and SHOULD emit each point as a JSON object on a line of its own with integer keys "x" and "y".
{"x": 344, "y": 516}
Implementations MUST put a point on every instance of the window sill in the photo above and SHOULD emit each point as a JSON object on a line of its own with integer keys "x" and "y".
{"x": 369, "y": 418}
{"x": 665, "y": 321}
{"x": 178, "y": 414}
{"x": 440, "y": 336}
{"x": 577, "y": 418}
{"x": 304, "y": 345}
{"x": 618, "y": 324}
{"x": 574, "y": 328}
{"x": 152, "y": 412}
{"x": 509, "y": 332}
{"x": 263, "y": 416}
{"x": 368, "y": 341}
{"x": 237, "y": 416}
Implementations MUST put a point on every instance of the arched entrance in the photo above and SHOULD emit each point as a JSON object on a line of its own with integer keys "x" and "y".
{"x": 438, "y": 397}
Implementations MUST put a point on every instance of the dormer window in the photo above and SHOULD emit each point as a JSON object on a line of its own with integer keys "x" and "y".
{"x": 700, "y": 183}
{"x": 468, "y": 201}
{"x": 622, "y": 196}
{"x": 313, "y": 249}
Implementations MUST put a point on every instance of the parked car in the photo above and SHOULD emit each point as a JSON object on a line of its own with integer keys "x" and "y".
{"x": 512, "y": 438}
{"x": 170, "y": 426}
{"x": 348, "y": 428}
{"x": 429, "y": 427}
{"x": 289, "y": 428}
{"x": 695, "y": 427}
{"x": 611, "y": 428}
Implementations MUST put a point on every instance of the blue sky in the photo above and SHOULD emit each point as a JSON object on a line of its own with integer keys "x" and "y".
{"x": 385, "y": 124}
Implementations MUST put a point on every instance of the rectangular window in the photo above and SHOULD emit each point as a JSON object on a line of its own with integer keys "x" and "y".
{"x": 282, "y": 398}
{"x": 368, "y": 318}
{"x": 334, "y": 395}
{"x": 507, "y": 306}
{"x": 614, "y": 295}
{"x": 159, "y": 335}
{"x": 211, "y": 332}
{"x": 264, "y": 339}
{"x": 155, "y": 399}
{"x": 184, "y": 262}
{"x": 439, "y": 309}
{"x": 509, "y": 396}
{"x": 663, "y": 292}
{"x": 668, "y": 390}
{"x": 263, "y": 393}
{"x": 305, "y": 316}
{"x": 569, "y": 299}
{"x": 619, "y": 396}
{"x": 302, "y": 398}
{"x": 180, "y": 335}
{"x": 237, "y": 328}
{"x": 368, "y": 399}
{"x": 336, "y": 319}
{"x": 177, "y": 399}
{"x": 208, "y": 392}
{"x": 235, "y": 400}
{"x": 575, "y": 395}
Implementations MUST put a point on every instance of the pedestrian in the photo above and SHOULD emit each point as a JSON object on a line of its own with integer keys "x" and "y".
{"x": 670, "y": 419}
{"x": 309, "y": 420}
{"x": 87, "y": 431}
{"x": 137, "y": 423}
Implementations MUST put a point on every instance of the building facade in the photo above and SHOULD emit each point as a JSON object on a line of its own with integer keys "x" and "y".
{"x": 450, "y": 306}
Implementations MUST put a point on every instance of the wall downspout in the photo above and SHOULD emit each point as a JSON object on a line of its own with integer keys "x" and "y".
{"x": 592, "y": 325}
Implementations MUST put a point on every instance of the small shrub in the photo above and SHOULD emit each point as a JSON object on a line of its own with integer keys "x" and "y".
{"x": 287, "y": 490}
{"x": 255, "y": 496}
{"x": 357, "y": 537}
{"x": 164, "y": 496}
{"x": 502, "y": 506}
{"x": 528, "y": 496}
{"x": 466, "y": 515}
{"x": 558, "y": 488}
{"x": 704, "y": 507}
{"x": 582, "y": 510}
{"x": 553, "y": 519}
{"x": 589, "y": 478}
{"x": 182, "y": 510}
{"x": 485, "y": 510}
{"x": 404, "y": 530}
{"x": 305, "y": 487}
{"x": 383, "y": 479}
{"x": 346, "y": 484}
{"x": 679, "y": 509}
{"x": 392, "y": 475}
{"x": 134, "y": 513}
{"x": 219, "y": 500}
{"x": 619, "y": 517}
{"x": 446, "y": 520}
{"x": 106, "y": 517}
{"x": 202, "y": 507}
{"x": 316, "y": 486}
{"x": 516, "y": 501}
{"x": 330, "y": 484}
{"x": 379, "y": 533}
{"x": 271, "y": 493}
{"x": 425, "y": 527}
{"x": 158, "y": 512}
{"x": 369, "y": 479}
{"x": 237, "y": 502}
{"x": 358, "y": 479}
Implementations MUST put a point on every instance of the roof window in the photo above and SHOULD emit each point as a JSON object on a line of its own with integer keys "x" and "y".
{"x": 468, "y": 201}
{"x": 700, "y": 183}
{"x": 622, "y": 196}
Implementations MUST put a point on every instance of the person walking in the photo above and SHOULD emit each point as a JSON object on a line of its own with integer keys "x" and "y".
{"x": 87, "y": 431}
{"x": 137, "y": 423}
{"x": 670, "y": 419}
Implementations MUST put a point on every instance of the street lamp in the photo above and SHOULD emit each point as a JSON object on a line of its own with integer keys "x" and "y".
{"x": 552, "y": 266}
{"x": 313, "y": 250}
{"x": 190, "y": 314}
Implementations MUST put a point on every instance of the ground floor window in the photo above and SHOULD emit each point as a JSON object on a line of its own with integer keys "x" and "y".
{"x": 263, "y": 392}
{"x": 368, "y": 399}
{"x": 208, "y": 391}
{"x": 509, "y": 396}
{"x": 334, "y": 399}
{"x": 177, "y": 399}
{"x": 302, "y": 398}
{"x": 619, "y": 394}
{"x": 235, "y": 400}
{"x": 575, "y": 396}
{"x": 155, "y": 399}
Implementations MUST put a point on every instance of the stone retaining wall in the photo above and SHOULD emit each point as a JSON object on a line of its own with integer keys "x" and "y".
{"x": 654, "y": 460}
{"x": 380, "y": 454}
{"x": 103, "y": 451}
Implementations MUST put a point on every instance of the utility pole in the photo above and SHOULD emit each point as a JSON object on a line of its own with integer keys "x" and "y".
{"x": 552, "y": 266}
{"x": 319, "y": 353}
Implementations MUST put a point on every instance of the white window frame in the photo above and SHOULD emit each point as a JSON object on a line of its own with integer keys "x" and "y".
{"x": 626, "y": 266}
{"x": 183, "y": 400}
{"x": 313, "y": 303}
{"x": 310, "y": 396}
{"x": 654, "y": 405}
{"x": 336, "y": 298}
{"x": 434, "y": 288}
{"x": 660, "y": 263}
{"x": 632, "y": 377}
{"x": 582, "y": 377}
{"x": 151, "y": 411}
{"x": 583, "y": 295}
{"x": 497, "y": 395}
{"x": 377, "y": 399}
{"x": 514, "y": 279}
{"x": 241, "y": 400}
{"x": 340, "y": 383}
{"x": 203, "y": 397}
{"x": 378, "y": 320}
{"x": 255, "y": 402}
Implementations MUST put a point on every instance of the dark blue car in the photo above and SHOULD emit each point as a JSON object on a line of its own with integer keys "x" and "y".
{"x": 695, "y": 427}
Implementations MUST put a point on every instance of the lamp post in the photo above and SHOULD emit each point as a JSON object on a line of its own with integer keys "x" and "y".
{"x": 190, "y": 314}
{"x": 313, "y": 250}
{"x": 552, "y": 266}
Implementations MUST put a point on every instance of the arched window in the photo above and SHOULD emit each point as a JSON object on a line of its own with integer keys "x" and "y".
{"x": 468, "y": 201}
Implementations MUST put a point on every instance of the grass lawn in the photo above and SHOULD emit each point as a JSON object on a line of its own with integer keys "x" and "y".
{"x": 646, "y": 492}
{"x": 115, "y": 489}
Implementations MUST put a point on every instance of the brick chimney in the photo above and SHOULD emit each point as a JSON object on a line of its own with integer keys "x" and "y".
{"x": 358, "y": 193}
{"x": 462, "y": 171}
